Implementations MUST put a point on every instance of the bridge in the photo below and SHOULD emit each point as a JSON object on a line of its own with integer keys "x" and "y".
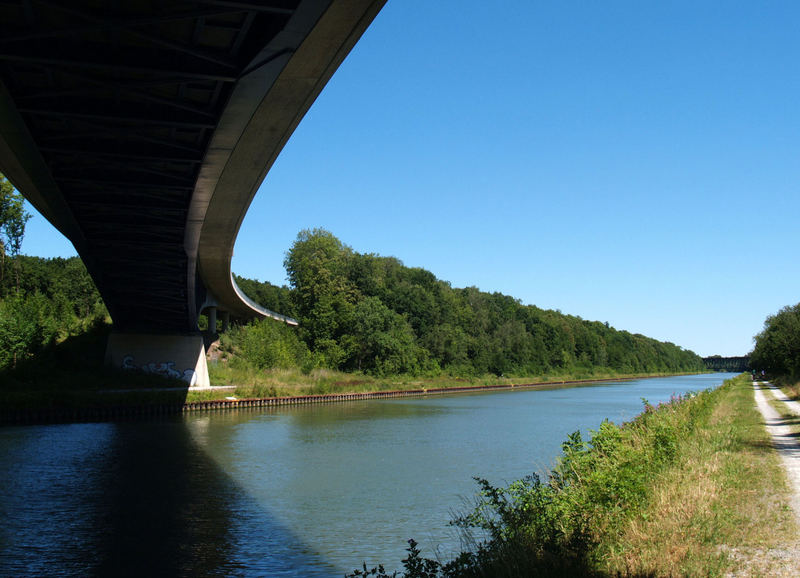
{"x": 142, "y": 130}
{"x": 732, "y": 364}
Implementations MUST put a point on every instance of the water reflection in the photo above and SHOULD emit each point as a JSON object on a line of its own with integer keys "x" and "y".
{"x": 290, "y": 491}
{"x": 133, "y": 499}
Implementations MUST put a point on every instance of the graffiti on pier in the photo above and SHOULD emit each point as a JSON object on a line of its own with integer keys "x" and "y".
{"x": 164, "y": 369}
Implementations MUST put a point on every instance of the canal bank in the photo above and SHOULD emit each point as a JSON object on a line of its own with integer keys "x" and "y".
{"x": 309, "y": 490}
{"x": 690, "y": 487}
{"x": 136, "y": 403}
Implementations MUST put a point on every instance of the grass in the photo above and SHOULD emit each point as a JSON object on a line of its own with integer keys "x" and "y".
{"x": 718, "y": 508}
{"x": 690, "y": 488}
{"x": 791, "y": 389}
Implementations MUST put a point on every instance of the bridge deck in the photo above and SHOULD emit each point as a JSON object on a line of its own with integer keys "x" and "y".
{"x": 142, "y": 131}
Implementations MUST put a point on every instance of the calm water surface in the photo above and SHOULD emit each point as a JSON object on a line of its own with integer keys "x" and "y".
{"x": 305, "y": 491}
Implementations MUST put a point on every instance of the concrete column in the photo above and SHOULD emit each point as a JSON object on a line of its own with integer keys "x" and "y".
{"x": 178, "y": 356}
{"x": 212, "y": 319}
{"x": 226, "y": 320}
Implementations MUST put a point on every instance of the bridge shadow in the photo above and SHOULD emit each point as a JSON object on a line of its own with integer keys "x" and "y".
{"x": 68, "y": 363}
{"x": 72, "y": 375}
{"x": 135, "y": 499}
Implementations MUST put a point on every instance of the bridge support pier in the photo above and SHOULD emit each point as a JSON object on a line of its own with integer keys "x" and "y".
{"x": 211, "y": 312}
{"x": 178, "y": 356}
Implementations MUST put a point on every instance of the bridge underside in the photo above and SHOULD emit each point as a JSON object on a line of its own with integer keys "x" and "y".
{"x": 143, "y": 129}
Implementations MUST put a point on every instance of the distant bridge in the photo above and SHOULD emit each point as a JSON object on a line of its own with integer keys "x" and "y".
{"x": 142, "y": 130}
{"x": 732, "y": 364}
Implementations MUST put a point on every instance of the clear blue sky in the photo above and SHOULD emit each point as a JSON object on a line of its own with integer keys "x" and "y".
{"x": 630, "y": 162}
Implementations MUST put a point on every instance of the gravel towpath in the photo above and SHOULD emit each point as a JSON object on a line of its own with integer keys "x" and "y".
{"x": 786, "y": 441}
{"x": 782, "y": 561}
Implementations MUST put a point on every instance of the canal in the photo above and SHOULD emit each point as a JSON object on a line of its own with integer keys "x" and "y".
{"x": 289, "y": 491}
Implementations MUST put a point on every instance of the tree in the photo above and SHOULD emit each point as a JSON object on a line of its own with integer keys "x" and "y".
{"x": 373, "y": 314}
{"x": 317, "y": 267}
{"x": 266, "y": 344}
{"x": 13, "y": 218}
{"x": 382, "y": 341}
{"x": 24, "y": 328}
{"x": 777, "y": 348}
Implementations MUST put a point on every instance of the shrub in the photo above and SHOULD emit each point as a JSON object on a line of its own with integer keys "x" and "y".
{"x": 266, "y": 344}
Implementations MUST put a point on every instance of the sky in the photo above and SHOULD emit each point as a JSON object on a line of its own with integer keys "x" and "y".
{"x": 624, "y": 161}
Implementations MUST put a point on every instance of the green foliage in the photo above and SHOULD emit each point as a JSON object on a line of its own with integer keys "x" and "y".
{"x": 323, "y": 296}
{"x": 777, "y": 349}
{"x": 24, "y": 328}
{"x": 381, "y": 340}
{"x": 271, "y": 296}
{"x": 13, "y": 219}
{"x": 50, "y": 300}
{"x": 267, "y": 344}
{"x": 372, "y": 314}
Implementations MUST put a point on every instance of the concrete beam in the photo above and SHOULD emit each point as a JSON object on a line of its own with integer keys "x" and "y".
{"x": 177, "y": 356}
{"x": 212, "y": 319}
{"x": 266, "y": 106}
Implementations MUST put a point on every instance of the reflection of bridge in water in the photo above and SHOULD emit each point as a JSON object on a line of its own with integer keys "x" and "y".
{"x": 732, "y": 364}
{"x": 142, "y": 132}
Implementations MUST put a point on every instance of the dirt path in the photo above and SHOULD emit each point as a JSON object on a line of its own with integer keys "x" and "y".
{"x": 779, "y": 560}
{"x": 783, "y": 438}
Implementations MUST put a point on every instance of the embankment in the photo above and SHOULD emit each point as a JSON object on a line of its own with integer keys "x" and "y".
{"x": 131, "y": 404}
{"x": 691, "y": 487}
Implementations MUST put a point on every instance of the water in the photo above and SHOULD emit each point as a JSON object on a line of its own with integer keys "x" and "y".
{"x": 305, "y": 491}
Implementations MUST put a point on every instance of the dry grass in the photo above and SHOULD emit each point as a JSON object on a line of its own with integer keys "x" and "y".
{"x": 722, "y": 510}
{"x": 792, "y": 390}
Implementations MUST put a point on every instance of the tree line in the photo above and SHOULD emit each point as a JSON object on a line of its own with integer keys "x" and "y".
{"x": 777, "y": 347}
{"x": 357, "y": 312}
{"x": 368, "y": 313}
{"x": 42, "y": 301}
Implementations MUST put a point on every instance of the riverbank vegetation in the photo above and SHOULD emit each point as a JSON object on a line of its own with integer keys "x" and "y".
{"x": 366, "y": 322}
{"x": 777, "y": 347}
{"x": 42, "y": 304}
{"x": 54, "y": 326}
{"x": 689, "y": 488}
{"x": 373, "y": 315}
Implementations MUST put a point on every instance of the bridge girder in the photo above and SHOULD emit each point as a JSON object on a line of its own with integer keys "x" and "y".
{"x": 142, "y": 130}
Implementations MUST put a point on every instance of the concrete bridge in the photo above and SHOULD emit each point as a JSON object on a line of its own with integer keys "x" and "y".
{"x": 142, "y": 130}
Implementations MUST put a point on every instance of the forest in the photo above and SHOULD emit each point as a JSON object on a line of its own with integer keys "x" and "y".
{"x": 43, "y": 302}
{"x": 360, "y": 313}
{"x": 777, "y": 348}
{"x": 372, "y": 314}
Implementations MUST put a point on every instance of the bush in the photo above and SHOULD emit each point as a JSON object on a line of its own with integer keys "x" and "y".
{"x": 267, "y": 344}
{"x": 25, "y": 327}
